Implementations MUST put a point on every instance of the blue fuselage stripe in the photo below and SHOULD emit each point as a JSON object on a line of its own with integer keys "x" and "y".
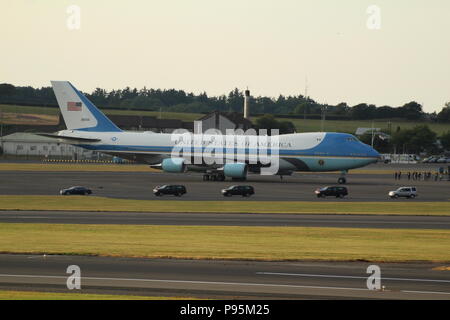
{"x": 165, "y": 149}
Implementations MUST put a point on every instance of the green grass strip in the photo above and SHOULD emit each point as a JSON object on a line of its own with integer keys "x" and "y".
{"x": 90, "y": 203}
{"x": 224, "y": 242}
{"x": 35, "y": 295}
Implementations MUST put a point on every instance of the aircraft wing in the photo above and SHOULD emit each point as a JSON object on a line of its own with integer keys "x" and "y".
{"x": 72, "y": 139}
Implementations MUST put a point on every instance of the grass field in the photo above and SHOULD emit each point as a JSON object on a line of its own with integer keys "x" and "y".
{"x": 34, "y": 295}
{"x": 29, "y": 119}
{"x": 351, "y": 126}
{"x": 223, "y": 242}
{"x": 301, "y": 124}
{"x": 88, "y": 203}
{"x": 12, "y": 109}
{"x": 28, "y": 109}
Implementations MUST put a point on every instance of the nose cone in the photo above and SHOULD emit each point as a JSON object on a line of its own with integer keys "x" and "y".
{"x": 372, "y": 153}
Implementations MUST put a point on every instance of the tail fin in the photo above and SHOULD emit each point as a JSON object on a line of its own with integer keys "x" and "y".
{"x": 78, "y": 112}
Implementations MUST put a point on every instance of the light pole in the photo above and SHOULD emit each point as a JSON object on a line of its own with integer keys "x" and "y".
{"x": 373, "y": 135}
{"x": 324, "y": 110}
{"x": 1, "y": 130}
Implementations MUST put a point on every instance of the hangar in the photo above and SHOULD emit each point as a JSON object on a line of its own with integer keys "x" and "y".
{"x": 223, "y": 121}
{"x": 31, "y": 145}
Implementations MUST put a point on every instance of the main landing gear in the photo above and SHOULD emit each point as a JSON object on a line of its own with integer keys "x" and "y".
{"x": 342, "y": 179}
{"x": 213, "y": 177}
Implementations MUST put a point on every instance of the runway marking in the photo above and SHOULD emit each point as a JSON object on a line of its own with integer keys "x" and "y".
{"x": 184, "y": 281}
{"x": 216, "y": 283}
{"x": 425, "y": 292}
{"x": 212, "y": 221}
{"x": 349, "y": 277}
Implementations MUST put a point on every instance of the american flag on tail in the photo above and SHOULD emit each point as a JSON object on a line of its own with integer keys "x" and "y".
{"x": 73, "y": 106}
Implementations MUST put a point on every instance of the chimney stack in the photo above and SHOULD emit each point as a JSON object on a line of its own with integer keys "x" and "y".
{"x": 247, "y": 104}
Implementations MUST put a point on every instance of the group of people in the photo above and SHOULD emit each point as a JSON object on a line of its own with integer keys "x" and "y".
{"x": 425, "y": 176}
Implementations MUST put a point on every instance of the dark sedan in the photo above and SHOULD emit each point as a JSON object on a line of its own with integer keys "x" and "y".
{"x": 338, "y": 192}
{"x": 244, "y": 191}
{"x": 176, "y": 190}
{"x": 75, "y": 190}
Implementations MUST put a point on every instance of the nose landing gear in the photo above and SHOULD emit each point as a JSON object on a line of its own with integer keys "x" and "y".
{"x": 342, "y": 180}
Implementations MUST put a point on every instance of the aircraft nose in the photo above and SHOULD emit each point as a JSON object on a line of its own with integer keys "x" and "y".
{"x": 371, "y": 152}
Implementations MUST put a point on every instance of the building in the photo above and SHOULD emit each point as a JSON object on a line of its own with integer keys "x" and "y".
{"x": 376, "y": 132}
{"x": 223, "y": 121}
{"x": 26, "y": 145}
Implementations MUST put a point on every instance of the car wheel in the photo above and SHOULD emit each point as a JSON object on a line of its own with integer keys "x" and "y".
{"x": 396, "y": 196}
{"x": 412, "y": 196}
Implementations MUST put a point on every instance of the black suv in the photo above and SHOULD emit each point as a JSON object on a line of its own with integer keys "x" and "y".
{"x": 176, "y": 190}
{"x": 75, "y": 190}
{"x": 244, "y": 191}
{"x": 338, "y": 192}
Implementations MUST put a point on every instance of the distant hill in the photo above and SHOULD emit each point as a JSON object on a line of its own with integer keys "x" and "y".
{"x": 39, "y": 115}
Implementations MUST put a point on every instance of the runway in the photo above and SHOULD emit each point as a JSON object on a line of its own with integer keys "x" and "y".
{"x": 223, "y": 279}
{"x": 223, "y": 219}
{"x": 139, "y": 185}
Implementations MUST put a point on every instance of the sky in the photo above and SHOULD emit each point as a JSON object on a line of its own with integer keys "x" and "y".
{"x": 381, "y": 52}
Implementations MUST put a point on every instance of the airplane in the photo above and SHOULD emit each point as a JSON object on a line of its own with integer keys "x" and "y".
{"x": 89, "y": 128}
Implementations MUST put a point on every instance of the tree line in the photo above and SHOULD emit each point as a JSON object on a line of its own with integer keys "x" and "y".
{"x": 174, "y": 100}
{"x": 420, "y": 139}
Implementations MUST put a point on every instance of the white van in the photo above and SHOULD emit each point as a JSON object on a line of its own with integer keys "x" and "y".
{"x": 407, "y": 192}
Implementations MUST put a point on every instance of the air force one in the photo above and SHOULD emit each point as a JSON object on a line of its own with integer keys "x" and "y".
{"x": 89, "y": 128}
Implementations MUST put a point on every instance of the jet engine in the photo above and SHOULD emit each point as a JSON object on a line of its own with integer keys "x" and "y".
{"x": 235, "y": 170}
{"x": 174, "y": 165}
